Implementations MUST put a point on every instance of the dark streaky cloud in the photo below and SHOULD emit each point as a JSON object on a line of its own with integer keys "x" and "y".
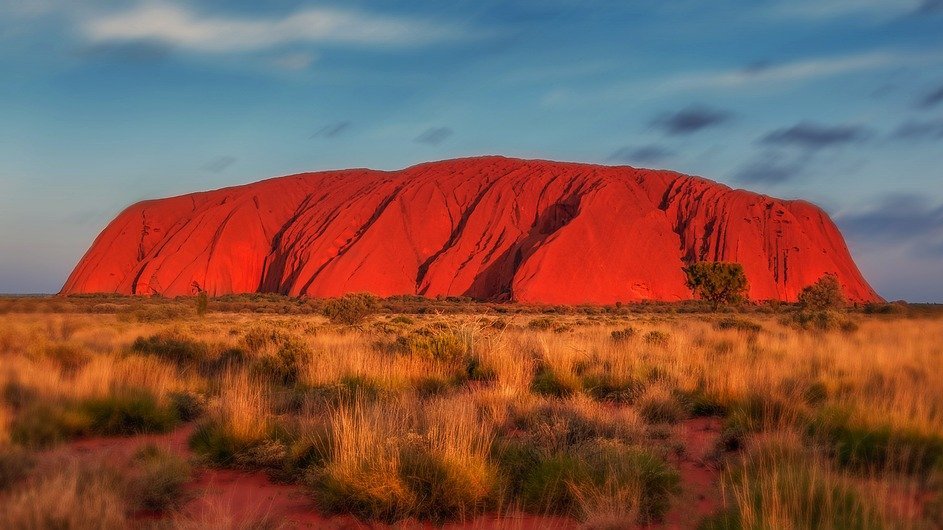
{"x": 896, "y": 218}
{"x": 930, "y": 6}
{"x": 920, "y": 130}
{"x": 646, "y": 154}
{"x": 434, "y": 136}
{"x": 931, "y": 99}
{"x": 690, "y": 120}
{"x": 813, "y": 136}
{"x": 771, "y": 168}
{"x": 331, "y": 130}
{"x": 219, "y": 164}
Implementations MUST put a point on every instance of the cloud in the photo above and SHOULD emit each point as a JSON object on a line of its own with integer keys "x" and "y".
{"x": 763, "y": 74}
{"x": 930, "y": 6}
{"x": 897, "y": 218}
{"x": 822, "y": 10}
{"x": 219, "y": 164}
{"x": 295, "y": 62}
{"x": 331, "y": 130}
{"x": 768, "y": 72}
{"x": 646, "y": 154}
{"x": 920, "y": 130}
{"x": 772, "y": 168}
{"x": 932, "y": 98}
{"x": 178, "y": 26}
{"x": 128, "y": 52}
{"x": 434, "y": 135}
{"x": 813, "y": 136}
{"x": 690, "y": 120}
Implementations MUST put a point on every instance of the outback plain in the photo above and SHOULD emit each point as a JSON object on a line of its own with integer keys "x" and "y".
{"x": 260, "y": 411}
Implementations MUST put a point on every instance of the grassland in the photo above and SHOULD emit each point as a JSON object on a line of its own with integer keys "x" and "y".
{"x": 445, "y": 411}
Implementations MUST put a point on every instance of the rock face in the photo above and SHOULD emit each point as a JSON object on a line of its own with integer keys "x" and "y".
{"x": 489, "y": 228}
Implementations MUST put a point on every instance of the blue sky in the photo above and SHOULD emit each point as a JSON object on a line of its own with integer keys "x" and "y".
{"x": 103, "y": 103}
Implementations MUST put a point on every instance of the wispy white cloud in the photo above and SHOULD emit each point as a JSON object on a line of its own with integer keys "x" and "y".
{"x": 830, "y": 9}
{"x": 296, "y": 61}
{"x": 759, "y": 76}
{"x": 795, "y": 71}
{"x": 181, "y": 27}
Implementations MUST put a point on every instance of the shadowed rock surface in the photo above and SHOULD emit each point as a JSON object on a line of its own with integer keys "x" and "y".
{"x": 490, "y": 228}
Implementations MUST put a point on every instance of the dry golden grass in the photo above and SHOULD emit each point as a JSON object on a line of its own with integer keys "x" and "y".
{"x": 71, "y": 496}
{"x": 383, "y": 421}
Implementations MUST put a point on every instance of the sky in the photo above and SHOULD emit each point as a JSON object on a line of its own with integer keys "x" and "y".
{"x": 104, "y": 103}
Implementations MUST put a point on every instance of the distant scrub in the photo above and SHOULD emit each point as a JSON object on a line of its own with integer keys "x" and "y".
{"x": 739, "y": 324}
{"x": 351, "y": 309}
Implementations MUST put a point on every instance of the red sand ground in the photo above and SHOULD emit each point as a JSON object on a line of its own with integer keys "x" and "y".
{"x": 240, "y": 495}
{"x": 490, "y": 228}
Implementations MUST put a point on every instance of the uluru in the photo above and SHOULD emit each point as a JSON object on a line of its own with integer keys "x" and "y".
{"x": 489, "y": 228}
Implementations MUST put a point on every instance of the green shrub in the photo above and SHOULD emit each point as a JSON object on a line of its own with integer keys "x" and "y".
{"x": 822, "y": 320}
{"x": 45, "y": 424}
{"x": 445, "y": 489}
{"x": 186, "y": 406}
{"x": 605, "y": 386}
{"x": 172, "y": 347}
{"x": 660, "y": 407}
{"x": 656, "y": 338}
{"x": 216, "y": 444}
{"x": 739, "y": 324}
{"x": 157, "y": 478}
{"x": 782, "y": 487}
{"x": 277, "y": 354}
{"x": 558, "y": 482}
{"x": 868, "y": 448}
{"x": 351, "y": 309}
{"x": 541, "y": 324}
{"x": 547, "y": 382}
{"x": 622, "y": 335}
{"x": 128, "y": 412}
{"x": 698, "y": 402}
{"x": 15, "y": 465}
{"x": 70, "y": 358}
{"x": 442, "y": 346}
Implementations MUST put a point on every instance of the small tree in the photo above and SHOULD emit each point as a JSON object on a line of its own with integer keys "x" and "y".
{"x": 202, "y": 304}
{"x": 822, "y": 295}
{"x": 717, "y": 282}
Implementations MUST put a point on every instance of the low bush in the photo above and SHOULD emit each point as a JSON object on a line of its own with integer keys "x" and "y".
{"x": 739, "y": 324}
{"x": 351, "y": 309}
{"x": 780, "y": 485}
{"x": 157, "y": 478}
{"x": 658, "y": 405}
{"x": 128, "y": 412}
{"x": 605, "y": 386}
{"x": 44, "y": 424}
{"x": 622, "y": 335}
{"x": 602, "y": 473}
{"x": 15, "y": 465}
{"x": 70, "y": 497}
{"x": 444, "y": 346}
{"x": 277, "y": 354}
{"x": 656, "y": 338}
{"x": 548, "y": 382}
{"x": 875, "y": 447}
{"x": 173, "y": 347}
